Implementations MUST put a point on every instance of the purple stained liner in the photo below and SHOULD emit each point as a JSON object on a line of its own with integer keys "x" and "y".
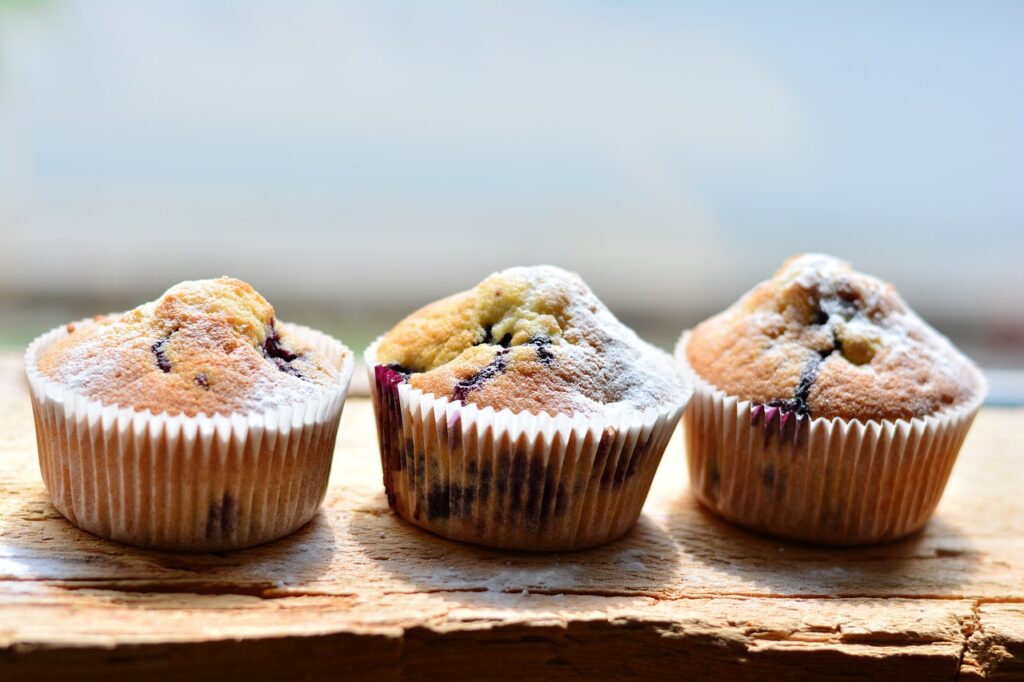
{"x": 786, "y": 425}
{"x": 389, "y": 423}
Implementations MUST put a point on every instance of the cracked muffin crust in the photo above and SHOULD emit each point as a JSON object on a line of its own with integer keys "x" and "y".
{"x": 529, "y": 339}
{"x": 211, "y": 346}
{"x": 821, "y": 340}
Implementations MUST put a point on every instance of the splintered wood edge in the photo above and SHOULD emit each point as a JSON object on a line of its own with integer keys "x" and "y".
{"x": 559, "y": 637}
{"x": 75, "y": 605}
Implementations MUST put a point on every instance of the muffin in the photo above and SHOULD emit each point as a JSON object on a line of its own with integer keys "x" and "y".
{"x": 195, "y": 422}
{"x": 521, "y": 414}
{"x": 825, "y": 409}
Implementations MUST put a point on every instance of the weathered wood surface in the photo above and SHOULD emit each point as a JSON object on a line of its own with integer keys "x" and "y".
{"x": 359, "y": 593}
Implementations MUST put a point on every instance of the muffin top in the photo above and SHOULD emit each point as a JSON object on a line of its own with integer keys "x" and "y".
{"x": 529, "y": 339}
{"x": 822, "y": 340}
{"x": 209, "y": 346}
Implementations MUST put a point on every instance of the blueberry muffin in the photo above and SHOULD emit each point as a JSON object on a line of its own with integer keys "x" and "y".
{"x": 522, "y": 413}
{"x": 195, "y": 422}
{"x": 826, "y": 409}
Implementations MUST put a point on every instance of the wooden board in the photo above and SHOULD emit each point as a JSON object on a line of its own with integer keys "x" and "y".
{"x": 358, "y": 593}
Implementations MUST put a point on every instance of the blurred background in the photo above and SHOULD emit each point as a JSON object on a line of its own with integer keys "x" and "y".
{"x": 356, "y": 160}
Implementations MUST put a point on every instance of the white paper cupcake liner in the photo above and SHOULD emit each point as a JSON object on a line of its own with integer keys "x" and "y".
{"x": 515, "y": 479}
{"x": 201, "y": 483}
{"x": 826, "y": 481}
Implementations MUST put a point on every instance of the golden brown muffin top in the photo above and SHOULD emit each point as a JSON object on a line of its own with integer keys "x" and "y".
{"x": 529, "y": 339}
{"x": 211, "y": 346}
{"x": 822, "y": 340}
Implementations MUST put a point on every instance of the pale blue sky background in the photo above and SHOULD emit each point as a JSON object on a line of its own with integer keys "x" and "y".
{"x": 368, "y": 155}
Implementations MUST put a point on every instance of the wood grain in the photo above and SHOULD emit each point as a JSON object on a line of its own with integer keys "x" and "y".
{"x": 358, "y": 593}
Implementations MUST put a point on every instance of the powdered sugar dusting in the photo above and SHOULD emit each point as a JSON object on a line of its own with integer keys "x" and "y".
{"x": 626, "y": 371}
{"x": 880, "y": 317}
{"x": 531, "y": 338}
{"x": 91, "y": 365}
{"x": 820, "y": 336}
{"x": 201, "y": 347}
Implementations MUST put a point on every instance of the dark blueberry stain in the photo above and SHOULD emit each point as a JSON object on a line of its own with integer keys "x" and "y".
{"x": 489, "y": 340}
{"x": 518, "y": 478}
{"x": 408, "y": 455}
{"x": 549, "y": 500}
{"x": 527, "y": 493}
{"x": 561, "y": 500}
{"x": 455, "y": 433}
{"x": 535, "y": 487}
{"x": 497, "y": 366}
{"x": 161, "y": 359}
{"x": 833, "y": 519}
{"x": 202, "y": 381}
{"x": 439, "y": 502}
{"x": 484, "y": 485}
{"x": 463, "y": 499}
{"x": 604, "y": 447}
{"x": 714, "y": 478}
{"x": 418, "y": 471}
{"x": 543, "y": 344}
{"x": 272, "y": 347}
{"x": 780, "y": 484}
{"x": 626, "y": 467}
{"x": 456, "y": 505}
{"x": 222, "y": 517}
{"x": 820, "y": 317}
{"x": 798, "y": 403}
{"x": 501, "y": 478}
{"x": 773, "y": 480}
{"x": 399, "y": 369}
{"x": 638, "y": 455}
{"x": 282, "y": 357}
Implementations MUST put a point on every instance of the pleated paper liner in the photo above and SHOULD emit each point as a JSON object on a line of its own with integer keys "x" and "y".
{"x": 202, "y": 483}
{"x": 826, "y": 481}
{"x": 515, "y": 479}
